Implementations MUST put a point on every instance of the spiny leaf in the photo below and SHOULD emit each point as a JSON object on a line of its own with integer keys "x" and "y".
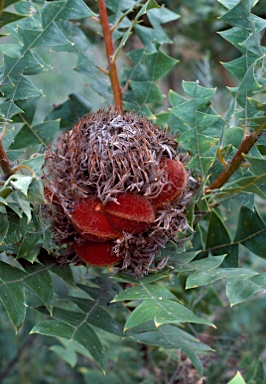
{"x": 42, "y": 133}
{"x": 8, "y": 17}
{"x": 195, "y": 122}
{"x": 252, "y": 236}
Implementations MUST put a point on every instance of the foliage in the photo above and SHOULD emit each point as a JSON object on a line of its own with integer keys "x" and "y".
{"x": 96, "y": 308}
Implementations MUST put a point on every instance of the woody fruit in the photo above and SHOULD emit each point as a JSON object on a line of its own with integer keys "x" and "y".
{"x": 176, "y": 181}
{"x": 90, "y": 222}
{"x": 98, "y": 254}
{"x": 130, "y": 213}
{"x": 116, "y": 180}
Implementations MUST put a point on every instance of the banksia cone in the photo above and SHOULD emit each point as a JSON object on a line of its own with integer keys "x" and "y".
{"x": 117, "y": 188}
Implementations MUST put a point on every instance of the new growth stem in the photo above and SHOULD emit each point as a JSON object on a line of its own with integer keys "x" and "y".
{"x": 237, "y": 160}
{"x": 112, "y": 70}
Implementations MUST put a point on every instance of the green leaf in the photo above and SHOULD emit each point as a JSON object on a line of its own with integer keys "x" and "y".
{"x": 97, "y": 316}
{"x": 70, "y": 111}
{"x": 9, "y": 109}
{"x": 257, "y": 166}
{"x": 82, "y": 333}
{"x": 8, "y": 17}
{"x": 19, "y": 182}
{"x": 39, "y": 280}
{"x": 159, "y": 64}
{"x": 206, "y": 264}
{"x": 146, "y": 92}
{"x": 219, "y": 242}
{"x": 63, "y": 271}
{"x": 249, "y": 82}
{"x": 43, "y": 134}
{"x": 4, "y": 224}
{"x": 198, "y": 279}
{"x": 237, "y": 379}
{"x": 162, "y": 312}
{"x": 245, "y": 184}
{"x": 71, "y": 10}
{"x": 253, "y": 237}
{"x": 238, "y": 15}
{"x": 129, "y": 278}
{"x": 36, "y": 163}
{"x": 20, "y": 88}
{"x": 236, "y": 36}
{"x": 68, "y": 355}
{"x": 241, "y": 288}
{"x": 169, "y": 336}
{"x": 194, "y": 122}
{"x": 144, "y": 292}
{"x": 201, "y": 94}
{"x": 12, "y": 293}
{"x": 18, "y": 202}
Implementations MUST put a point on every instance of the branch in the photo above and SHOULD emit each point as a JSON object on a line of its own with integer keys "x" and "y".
{"x": 110, "y": 51}
{"x": 5, "y": 163}
{"x": 245, "y": 147}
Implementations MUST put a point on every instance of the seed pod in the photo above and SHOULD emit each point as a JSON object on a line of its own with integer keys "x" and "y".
{"x": 90, "y": 222}
{"x": 129, "y": 213}
{"x": 98, "y": 254}
{"x": 175, "y": 185}
{"x": 116, "y": 176}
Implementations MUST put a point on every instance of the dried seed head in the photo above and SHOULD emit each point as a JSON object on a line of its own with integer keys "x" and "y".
{"x": 118, "y": 176}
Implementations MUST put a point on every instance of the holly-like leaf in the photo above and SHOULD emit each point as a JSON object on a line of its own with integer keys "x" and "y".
{"x": 70, "y": 111}
{"x": 253, "y": 237}
{"x": 195, "y": 124}
{"x": 42, "y": 133}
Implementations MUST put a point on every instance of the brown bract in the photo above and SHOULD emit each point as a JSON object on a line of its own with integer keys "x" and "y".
{"x": 118, "y": 177}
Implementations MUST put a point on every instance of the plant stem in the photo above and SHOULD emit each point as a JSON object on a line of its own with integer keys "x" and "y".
{"x": 110, "y": 51}
{"x": 5, "y": 163}
{"x": 245, "y": 147}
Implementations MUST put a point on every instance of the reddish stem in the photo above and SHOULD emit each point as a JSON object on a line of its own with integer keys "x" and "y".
{"x": 244, "y": 148}
{"x": 5, "y": 163}
{"x": 110, "y": 51}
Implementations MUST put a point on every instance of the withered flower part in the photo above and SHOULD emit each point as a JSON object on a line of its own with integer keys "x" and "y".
{"x": 117, "y": 178}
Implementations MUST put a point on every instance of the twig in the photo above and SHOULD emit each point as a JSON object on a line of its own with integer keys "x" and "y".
{"x": 237, "y": 160}
{"x": 109, "y": 52}
{"x": 5, "y": 163}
